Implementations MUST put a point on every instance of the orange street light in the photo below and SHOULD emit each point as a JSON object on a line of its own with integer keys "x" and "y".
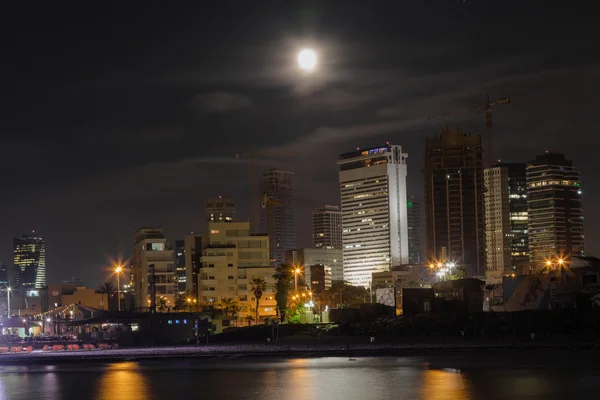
{"x": 118, "y": 270}
{"x": 296, "y": 272}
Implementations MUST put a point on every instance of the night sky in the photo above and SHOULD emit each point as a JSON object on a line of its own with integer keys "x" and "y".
{"x": 120, "y": 115}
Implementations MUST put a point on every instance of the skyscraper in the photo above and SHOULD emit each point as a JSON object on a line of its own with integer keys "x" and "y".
{"x": 454, "y": 200}
{"x": 374, "y": 217}
{"x": 29, "y": 256}
{"x": 519, "y": 217}
{"x": 276, "y": 185}
{"x": 555, "y": 209}
{"x": 506, "y": 231}
{"x": 3, "y": 275}
{"x": 220, "y": 210}
{"x": 327, "y": 227}
{"x": 413, "y": 212}
{"x": 497, "y": 223}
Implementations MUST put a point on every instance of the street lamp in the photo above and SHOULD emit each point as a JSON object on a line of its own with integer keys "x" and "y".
{"x": 296, "y": 272}
{"x": 8, "y": 290}
{"x": 118, "y": 270}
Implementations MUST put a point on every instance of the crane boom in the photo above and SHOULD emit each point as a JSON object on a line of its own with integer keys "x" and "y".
{"x": 487, "y": 107}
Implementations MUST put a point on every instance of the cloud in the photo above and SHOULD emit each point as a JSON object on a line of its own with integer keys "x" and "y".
{"x": 221, "y": 102}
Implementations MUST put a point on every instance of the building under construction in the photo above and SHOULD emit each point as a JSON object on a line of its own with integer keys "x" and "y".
{"x": 453, "y": 175}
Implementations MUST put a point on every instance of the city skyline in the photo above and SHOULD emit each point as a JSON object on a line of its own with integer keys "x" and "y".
{"x": 107, "y": 135}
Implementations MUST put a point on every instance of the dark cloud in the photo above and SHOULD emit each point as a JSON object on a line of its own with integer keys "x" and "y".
{"x": 115, "y": 120}
{"x": 221, "y": 102}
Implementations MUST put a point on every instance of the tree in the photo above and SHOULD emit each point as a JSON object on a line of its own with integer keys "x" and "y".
{"x": 342, "y": 294}
{"x": 228, "y": 305}
{"x": 186, "y": 299}
{"x": 283, "y": 281}
{"x": 258, "y": 287}
{"x": 162, "y": 303}
{"x": 106, "y": 288}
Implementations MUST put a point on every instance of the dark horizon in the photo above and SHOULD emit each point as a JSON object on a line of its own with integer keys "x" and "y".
{"x": 130, "y": 114}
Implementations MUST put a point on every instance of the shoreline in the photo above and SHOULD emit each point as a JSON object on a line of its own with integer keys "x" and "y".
{"x": 282, "y": 351}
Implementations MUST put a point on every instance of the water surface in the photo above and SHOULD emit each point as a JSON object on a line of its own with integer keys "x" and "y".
{"x": 305, "y": 378}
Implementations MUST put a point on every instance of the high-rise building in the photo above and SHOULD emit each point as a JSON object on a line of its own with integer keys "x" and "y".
{"x": 518, "y": 216}
{"x": 232, "y": 257}
{"x": 220, "y": 210}
{"x": 3, "y": 275}
{"x": 453, "y": 175}
{"x": 413, "y": 213}
{"x": 497, "y": 223}
{"x": 332, "y": 259}
{"x": 29, "y": 257}
{"x": 374, "y": 216}
{"x": 180, "y": 265}
{"x": 555, "y": 209}
{"x": 327, "y": 227}
{"x": 192, "y": 252}
{"x": 505, "y": 210}
{"x": 276, "y": 185}
{"x": 153, "y": 261}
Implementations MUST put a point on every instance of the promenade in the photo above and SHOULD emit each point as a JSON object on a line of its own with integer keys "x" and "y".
{"x": 286, "y": 350}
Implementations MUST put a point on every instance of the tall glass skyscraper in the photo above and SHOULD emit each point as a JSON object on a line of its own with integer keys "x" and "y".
{"x": 454, "y": 201}
{"x": 29, "y": 257}
{"x": 555, "y": 210}
{"x": 327, "y": 227}
{"x": 413, "y": 212}
{"x": 374, "y": 216}
{"x": 277, "y": 186}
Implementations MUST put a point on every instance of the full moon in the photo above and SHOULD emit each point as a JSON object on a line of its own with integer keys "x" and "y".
{"x": 307, "y": 59}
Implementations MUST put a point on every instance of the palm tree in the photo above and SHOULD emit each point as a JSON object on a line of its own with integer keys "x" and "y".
{"x": 228, "y": 305}
{"x": 259, "y": 286}
{"x": 283, "y": 280}
{"x": 106, "y": 288}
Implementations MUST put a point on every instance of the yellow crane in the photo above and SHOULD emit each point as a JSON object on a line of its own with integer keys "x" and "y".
{"x": 487, "y": 108}
{"x": 268, "y": 202}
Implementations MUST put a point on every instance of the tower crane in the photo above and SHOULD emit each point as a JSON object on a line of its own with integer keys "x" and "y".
{"x": 487, "y": 108}
{"x": 269, "y": 202}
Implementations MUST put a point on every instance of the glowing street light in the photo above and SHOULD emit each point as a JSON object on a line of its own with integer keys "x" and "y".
{"x": 118, "y": 270}
{"x": 561, "y": 261}
{"x": 296, "y": 272}
{"x": 307, "y": 60}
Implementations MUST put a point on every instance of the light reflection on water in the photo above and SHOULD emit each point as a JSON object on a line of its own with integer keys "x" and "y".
{"x": 293, "y": 379}
{"x": 444, "y": 385}
{"x": 123, "y": 381}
